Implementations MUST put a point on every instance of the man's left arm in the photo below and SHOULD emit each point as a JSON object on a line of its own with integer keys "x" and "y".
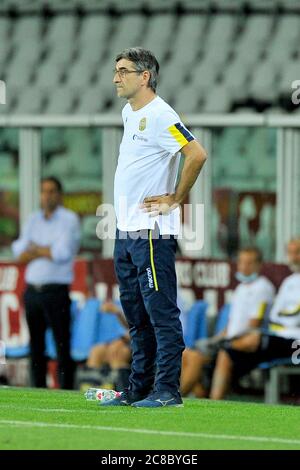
{"x": 195, "y": 157}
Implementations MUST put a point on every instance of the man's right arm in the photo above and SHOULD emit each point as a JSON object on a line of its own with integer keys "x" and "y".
{"x": 21, "y": 246}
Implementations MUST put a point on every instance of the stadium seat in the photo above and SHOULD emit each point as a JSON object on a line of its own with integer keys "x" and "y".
{"x": 61, "y": 53}
{"x": 208, "y": 70}
{"x": 264, "y": 81}
{"x": 109, "y": 328}
{"x": 235, "y": 79}
{"x": 222, "y": 319}
{"x": 88, "y": 327}
{"x": 85, "y": 329}
{"x": 91, "y": 101}
{"x": 19, "y": 73}
{"x": 128, "y": 32}
{"x": 189, "y": 32}
{"x": 61, "y": 29}
{"x": 221, "y": 31}
{"x": 289, "y": 74}
{"x": 186, "y": 101}
{"x": 30, "y": 101}
{"x": 4, "y": 28}
{"x": 273, "y": 372}
{"x": 257, "y": 30}
{"x": 196, "y": 324}
{"x": 61, "y": 101}
{"x": 49, "y": 75}
{"x": 158, "y": 34}
{"x": 4, "y": 49}
{"x": 287, "y": 32}
{"x": 218, "y": 101}
{"x": 79, "y": 75}
{"x": 115, "y": 107}
{"x": 94, "y": 30}
{"x": 27, "y": 29}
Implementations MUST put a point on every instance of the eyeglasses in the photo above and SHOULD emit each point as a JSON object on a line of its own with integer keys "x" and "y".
{"x": 123, "y": 72}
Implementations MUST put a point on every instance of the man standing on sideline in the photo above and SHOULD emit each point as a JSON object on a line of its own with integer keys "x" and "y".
{"x": 48, "y": 245}
{"x": 148, "y": 220}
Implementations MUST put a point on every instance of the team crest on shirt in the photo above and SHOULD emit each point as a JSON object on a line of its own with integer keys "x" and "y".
{"x": 142, "y": 124}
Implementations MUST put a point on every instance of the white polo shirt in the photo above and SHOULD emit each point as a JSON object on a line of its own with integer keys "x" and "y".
{"x": 148, "y": 165}
{"x": 249, "y": 302}
{"x": 285, "y": 313}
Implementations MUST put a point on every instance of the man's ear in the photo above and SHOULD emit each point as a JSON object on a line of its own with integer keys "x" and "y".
{"x": 146, "y": 75}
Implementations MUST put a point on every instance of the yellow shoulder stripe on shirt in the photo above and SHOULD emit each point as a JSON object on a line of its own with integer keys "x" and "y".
{"x": 261, "y": 311}
{"x": 180, "y": 134}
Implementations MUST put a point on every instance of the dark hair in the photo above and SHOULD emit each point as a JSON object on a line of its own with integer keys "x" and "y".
{"x": 143, "y": 60}
{"x": 54, "y": 180}
{"x": 253, "y": 249}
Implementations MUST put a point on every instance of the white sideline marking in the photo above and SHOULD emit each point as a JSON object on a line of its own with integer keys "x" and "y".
{"x": 7, "y": 422}
{"x": 89, "y": 409}
{"x": 45, "y": 410}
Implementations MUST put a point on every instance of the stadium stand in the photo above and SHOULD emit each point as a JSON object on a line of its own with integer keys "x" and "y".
{"x": 243, "y": 54}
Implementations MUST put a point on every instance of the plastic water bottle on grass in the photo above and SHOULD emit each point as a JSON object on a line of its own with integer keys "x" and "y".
{"x": 101, "y": 394}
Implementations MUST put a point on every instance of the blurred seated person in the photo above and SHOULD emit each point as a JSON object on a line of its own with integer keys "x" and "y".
{"x": 248, "y": 305}
{"x": 109, "y": 357}
{"x": 240, "y": 356}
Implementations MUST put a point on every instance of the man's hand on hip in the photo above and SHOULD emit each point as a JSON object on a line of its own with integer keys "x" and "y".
{"x": 159, "y": 205}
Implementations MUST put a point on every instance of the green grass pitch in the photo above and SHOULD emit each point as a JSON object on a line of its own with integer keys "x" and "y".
{"x": 48, "y": 419}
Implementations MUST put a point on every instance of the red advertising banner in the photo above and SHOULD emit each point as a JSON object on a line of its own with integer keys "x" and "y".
{"x": 13, "y": 328}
